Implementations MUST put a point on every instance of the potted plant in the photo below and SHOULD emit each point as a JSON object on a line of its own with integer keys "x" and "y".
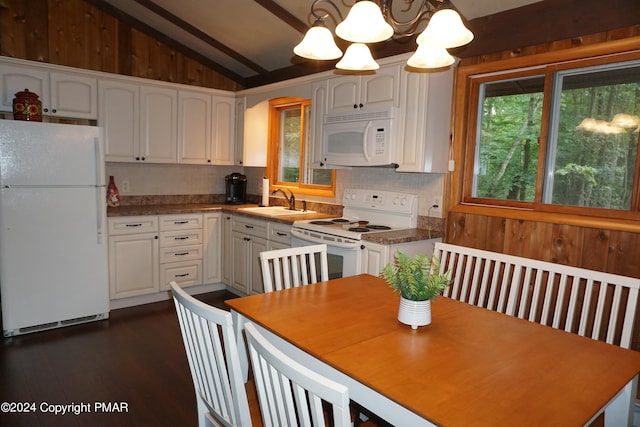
{"x": 418, "y": 281}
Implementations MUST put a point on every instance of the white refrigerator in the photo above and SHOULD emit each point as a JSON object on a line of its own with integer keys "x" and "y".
{"x": 53, "y": 243}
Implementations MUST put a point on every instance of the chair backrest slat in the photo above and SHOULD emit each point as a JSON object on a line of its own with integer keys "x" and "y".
{"x": 590, "y": 303}
{"x": 292, "y": 267}
{"x": 212, "y": 353}
{"x": 290, "y": 393}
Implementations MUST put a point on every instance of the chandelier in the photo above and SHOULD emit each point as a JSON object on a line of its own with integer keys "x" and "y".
{"x": 368, "y": 22}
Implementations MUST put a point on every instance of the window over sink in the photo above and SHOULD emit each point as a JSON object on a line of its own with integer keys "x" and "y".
{"x": 288, "y": 155}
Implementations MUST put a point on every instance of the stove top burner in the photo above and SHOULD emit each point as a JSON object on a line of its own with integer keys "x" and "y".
{"x": 378, "y": 227}
{"x": 359, "y": 229}
{"x": 321, "y": 222}
{"x": 339, "y": 220}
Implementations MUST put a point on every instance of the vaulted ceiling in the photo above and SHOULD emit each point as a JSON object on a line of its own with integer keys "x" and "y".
{"x": 251, "y": 41}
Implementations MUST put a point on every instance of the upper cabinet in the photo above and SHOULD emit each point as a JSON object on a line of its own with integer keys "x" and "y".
{"x": 206, "y": 126}
{"x": 140, "y": 122}
{"x": 423, "y": 141}
{"x": 318, "y": 111}
{"x": 256, "y": 134}
{"x": 370, "y": 91}
{"x": 63, "y": 94}
{"x": 194, "y": 127}
{"x": 158, "y": 126}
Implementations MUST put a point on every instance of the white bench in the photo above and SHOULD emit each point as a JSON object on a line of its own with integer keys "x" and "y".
{"x": 590, "y": 303}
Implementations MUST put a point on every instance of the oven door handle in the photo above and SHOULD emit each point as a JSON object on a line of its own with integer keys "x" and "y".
{"x": 313, "y": 240}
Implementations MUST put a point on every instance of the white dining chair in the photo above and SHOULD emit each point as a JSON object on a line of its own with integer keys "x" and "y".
{"x": 292, "y": 267}
{"x": 291, "y": 394}
{"x": 212, "y": 353}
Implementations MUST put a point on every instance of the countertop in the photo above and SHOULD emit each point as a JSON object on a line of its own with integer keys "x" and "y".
{"x": 382, "y": 237}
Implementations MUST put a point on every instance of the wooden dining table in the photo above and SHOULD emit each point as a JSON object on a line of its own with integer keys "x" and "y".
{"x": 469, "y": 367}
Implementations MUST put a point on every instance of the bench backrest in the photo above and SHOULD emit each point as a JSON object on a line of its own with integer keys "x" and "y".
{"x": 590, "y": 303}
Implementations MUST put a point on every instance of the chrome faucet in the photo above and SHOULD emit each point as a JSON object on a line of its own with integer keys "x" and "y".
{"x": 291, "y": 199}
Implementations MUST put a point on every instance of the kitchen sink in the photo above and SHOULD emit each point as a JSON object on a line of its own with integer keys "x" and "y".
{"x": 273, "y": 211}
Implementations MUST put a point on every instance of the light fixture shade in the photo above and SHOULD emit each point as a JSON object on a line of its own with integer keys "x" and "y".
{"x": 357, "y": 58}
{"x": 445, "y": 29}
{"x": 318, "y": 43}
{"x": 430, "y": 57}
{"x": 364, "y": 24}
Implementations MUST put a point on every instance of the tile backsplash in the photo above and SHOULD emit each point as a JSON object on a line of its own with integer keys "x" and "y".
{"x": 155, "y": 179}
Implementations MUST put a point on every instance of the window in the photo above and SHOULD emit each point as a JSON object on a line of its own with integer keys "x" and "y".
{"x": 289, "y": 163}
{"x": 560, "y": 138}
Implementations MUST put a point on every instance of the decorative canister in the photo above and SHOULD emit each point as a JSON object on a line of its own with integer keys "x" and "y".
{"x": 27, "y": 106}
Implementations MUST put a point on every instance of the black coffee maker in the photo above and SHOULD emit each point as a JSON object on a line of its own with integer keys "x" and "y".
{"x": 236, "y": 185}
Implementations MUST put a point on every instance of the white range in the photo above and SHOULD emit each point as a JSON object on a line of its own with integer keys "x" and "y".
{"x": 365, "y": 212}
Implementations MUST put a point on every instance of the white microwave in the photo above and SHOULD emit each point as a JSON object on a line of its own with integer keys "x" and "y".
{"x": 363, "y": 138}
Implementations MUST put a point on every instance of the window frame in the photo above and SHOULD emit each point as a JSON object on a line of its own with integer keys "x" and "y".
{"x": 275, "y": 106}
{"x": 466, "y": 123}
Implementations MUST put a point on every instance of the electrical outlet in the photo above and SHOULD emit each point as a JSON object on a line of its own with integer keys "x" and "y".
{"x": 435, "y": 209}
{"x": 125, "y": 186}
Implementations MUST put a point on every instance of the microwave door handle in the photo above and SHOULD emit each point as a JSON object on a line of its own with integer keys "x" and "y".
{"x": 365, "y": 138}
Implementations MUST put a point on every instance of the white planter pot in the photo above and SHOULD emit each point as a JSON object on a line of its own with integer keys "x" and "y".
{"x": 414, "y": 313}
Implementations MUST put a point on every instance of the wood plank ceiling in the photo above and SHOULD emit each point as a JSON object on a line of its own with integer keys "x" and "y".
{"x": 251, "y": 41}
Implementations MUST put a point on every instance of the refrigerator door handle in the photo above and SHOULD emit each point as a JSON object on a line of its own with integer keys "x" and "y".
{"x": 99, "y": 199}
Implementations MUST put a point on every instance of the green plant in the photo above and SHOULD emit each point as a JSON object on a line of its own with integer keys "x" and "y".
{"x": 416, "y": 278}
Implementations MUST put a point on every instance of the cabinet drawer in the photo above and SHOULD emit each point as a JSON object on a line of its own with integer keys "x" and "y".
{"x": 180, "y": 253}
{"x": 132, "y": 225}
{"x": 280, "y": 233}
{"x": 180, "y": 238}
{"x": 184, "y": 273}
{"x": 180, "y": 222}
{"x": 250, "y": 226}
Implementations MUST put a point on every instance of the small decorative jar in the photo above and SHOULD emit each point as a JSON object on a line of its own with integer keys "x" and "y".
{"x": 27, "y": 106}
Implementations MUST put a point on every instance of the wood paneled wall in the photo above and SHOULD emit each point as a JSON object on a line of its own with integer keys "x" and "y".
{"x": 76, "y": 34}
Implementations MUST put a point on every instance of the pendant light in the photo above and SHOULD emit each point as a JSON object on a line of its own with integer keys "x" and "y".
{"x": 357, "y": 58}
{"x": 318, "y": 43}
{"x": 430, "y": 57}
{"x": 364, "y": 24}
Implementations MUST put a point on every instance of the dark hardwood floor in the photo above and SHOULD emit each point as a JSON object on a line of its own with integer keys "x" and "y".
{"x": 129, "y": 370}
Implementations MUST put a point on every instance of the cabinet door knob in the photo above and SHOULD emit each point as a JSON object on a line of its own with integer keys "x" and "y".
{"x": 362, "y": 246}
{"x": 361, "y": 105}
{"x": 355, "y": 106}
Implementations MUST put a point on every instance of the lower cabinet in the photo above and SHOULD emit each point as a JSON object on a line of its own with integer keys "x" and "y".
{"x": 146, "y": 253}
{"x": 181, "y": 250}
{"x": 249, "y": 238}
{"x": 134, "y": 261}
{"x": 244, "y": 239}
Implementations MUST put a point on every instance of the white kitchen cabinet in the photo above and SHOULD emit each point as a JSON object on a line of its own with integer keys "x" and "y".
{"x": 158, "y": 124}
{"x": 423, "y": 145}
{"x": 369, "y": 91}
{"x": 318, "y": 111}
{"x": 139, "y": 121}
{"x": 133, "y": 256}
{"x": 249, "y": 238}
{"x": 181, "y": 249}
{"x": 119, "y": 115}
{"x": 256, "y": 134}
{"x": 213, "y": 239}
{"x": 239, "y": 136}
{"x": 194, "y": 127}
{"x": 279, "y": 235}
{"x": 374, "y": 257}
{"x": 227, "y": 251}
{"x": 63, "y": 94}
{"x": 206, "y": 128}
{"x": 223, "y": 130}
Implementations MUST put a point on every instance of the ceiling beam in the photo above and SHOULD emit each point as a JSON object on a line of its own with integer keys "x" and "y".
{"x": 164, "y": 13}
{"x": 284, "y": 15}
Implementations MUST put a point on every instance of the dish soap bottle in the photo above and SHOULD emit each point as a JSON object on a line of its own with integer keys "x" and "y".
{"x": 113, "y": 195}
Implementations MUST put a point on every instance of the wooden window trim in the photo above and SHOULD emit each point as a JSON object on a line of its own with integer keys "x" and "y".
{"x": 464, "y": 138}
{"x": 272, "y": 154}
